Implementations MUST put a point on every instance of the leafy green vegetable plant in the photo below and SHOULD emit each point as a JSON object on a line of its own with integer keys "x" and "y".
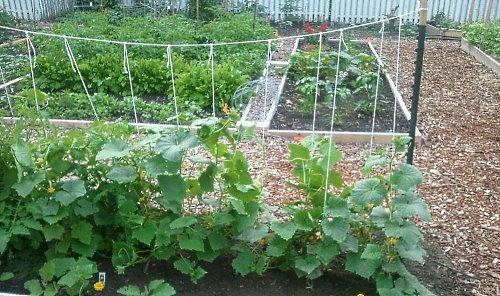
{"x": 367, "y": 226}
{"x": 75, "y": 198}
{"x": 485, "y": 36}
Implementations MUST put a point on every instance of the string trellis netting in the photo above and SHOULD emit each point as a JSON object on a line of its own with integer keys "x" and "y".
{"x": 268, "y": 88}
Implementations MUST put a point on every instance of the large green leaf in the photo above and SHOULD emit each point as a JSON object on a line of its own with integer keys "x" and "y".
{"x": 72, "y": 190}
{"x": 361, "y": 267}
{"x": 406, "y": 230}
{"x": 410, "y": 204}
{"x": 172, "y": 147}
{"x": 372, "y": 252}
{"x": 332, "y": 156}
{"x": 243, "y": 263}
{"x": 183, "y": 222}
{"x": 304, "y": 220}
{"x": 285, "y": 230}
{"x": 34, "y": 287}
{"x": 326, "y": 250}
{"x": 277, "y": 247}
{"x": 336, "y": 228}
{"x": 337, "y": 207}
{"x": 218, "y": 241}
{"x": 4, "y": 240}
{"x": 368, "y": 191}
{"x": 52, "y": 232}
{"x": 254, "y": 234}
{"x": 406, "y": 177}
{"x": 145, "y": 233}
{"x": 173, "y": 187}
{"x": 130, "y": 290}
{"x": 157, "y": 165}
{"x": 28, "y": 183}
{"x": 191, "y": 241}
{"x": 307, "y": 264}
{"x": 160, "y": 288}
{"x": 298, "y": 153}
{"x": 206, "y": 178}
{"x": 122, "y": 174}
{"x": 82, "y": 231}
{"x": 411, "y": 251}
{"x": 22, "y": 153}
{"x": 115, "y": 149}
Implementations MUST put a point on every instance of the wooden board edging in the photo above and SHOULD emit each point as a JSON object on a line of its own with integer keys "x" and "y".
{"x": 480, "y": 56}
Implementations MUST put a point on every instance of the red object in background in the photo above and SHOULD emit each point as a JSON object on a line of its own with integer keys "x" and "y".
{"x": 323, "y": 27}
{"x": 308, "y": 28}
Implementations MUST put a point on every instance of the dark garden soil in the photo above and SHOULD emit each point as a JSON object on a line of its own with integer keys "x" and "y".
{"x": 220, "y": 280}
{"x": 290, "y": 115}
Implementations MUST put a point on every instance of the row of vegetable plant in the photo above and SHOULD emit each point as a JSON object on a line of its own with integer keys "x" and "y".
{"x": 102, "y": 64}
{"x": 356, "y": 84}
{"x": 73, "y": 199}
{"x": 486, "y": 36}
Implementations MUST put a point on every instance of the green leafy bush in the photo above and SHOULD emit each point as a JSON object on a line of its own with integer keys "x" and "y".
{"x": 441, "y": 20}
{"x": 73, "y": 198}
{"x": 356, "y": 85}
{"x": 102, "y": 65}
{"x": 486, "y": 36}
{"x": 5, "y": 18}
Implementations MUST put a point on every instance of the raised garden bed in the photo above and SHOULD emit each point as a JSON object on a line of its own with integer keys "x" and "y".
{"x": 293, "y": 117}
{"x": 436, "y": 32}
{"x": 480, "y": 56}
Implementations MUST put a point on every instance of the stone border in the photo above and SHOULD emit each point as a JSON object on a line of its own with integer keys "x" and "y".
{"x": 480, "y": 56}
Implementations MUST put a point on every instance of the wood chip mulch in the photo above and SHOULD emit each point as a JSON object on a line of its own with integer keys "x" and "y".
{"x": 459, "y": 158}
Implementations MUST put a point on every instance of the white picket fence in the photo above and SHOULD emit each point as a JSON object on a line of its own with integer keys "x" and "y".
{"x": 359, "y": 11}
{"x": 34, "y": 9}
{"x": 344, "y": 11}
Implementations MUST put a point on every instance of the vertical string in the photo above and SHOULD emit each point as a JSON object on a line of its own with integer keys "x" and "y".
{"x": 266, "y": 82}
{"x": 381, "y": 53}
{"x": 126, "y": 64}
{"x": 74, "y": 66}
{"x": 316, "y": 94}
{"x": 398, "y": 60}
{"x": 6, "y": 92}
{"x": 32, "y": 61}
{"x": 211, "y": 59}
{"x": 170, "y": 65}
{"x": 334, "y": 106}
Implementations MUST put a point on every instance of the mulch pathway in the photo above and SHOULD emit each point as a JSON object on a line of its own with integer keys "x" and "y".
{"x": 459, "y": 158}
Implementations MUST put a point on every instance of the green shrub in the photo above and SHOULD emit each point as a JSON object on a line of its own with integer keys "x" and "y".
{"x": 6, "y": 19}
{"x": 102, "y": 65}
{"x": 73, "y": 198}
{"x": 486, "y": 36}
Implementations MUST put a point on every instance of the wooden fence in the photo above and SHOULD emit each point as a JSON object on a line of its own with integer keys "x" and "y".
{"x": 344, "y": 11}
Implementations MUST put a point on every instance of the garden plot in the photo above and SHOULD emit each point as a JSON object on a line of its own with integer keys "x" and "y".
{"x": 355, "y": 96}
{"x": 154, "y": 70}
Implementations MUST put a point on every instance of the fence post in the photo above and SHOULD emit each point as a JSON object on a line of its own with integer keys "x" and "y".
{"x": 419, "y": 63}
{"x": 488, "y": 9}
{"x": 471, "y": 11}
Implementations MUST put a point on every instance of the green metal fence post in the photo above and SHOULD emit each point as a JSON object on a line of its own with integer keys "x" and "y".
{"x": 419, "y": 63}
